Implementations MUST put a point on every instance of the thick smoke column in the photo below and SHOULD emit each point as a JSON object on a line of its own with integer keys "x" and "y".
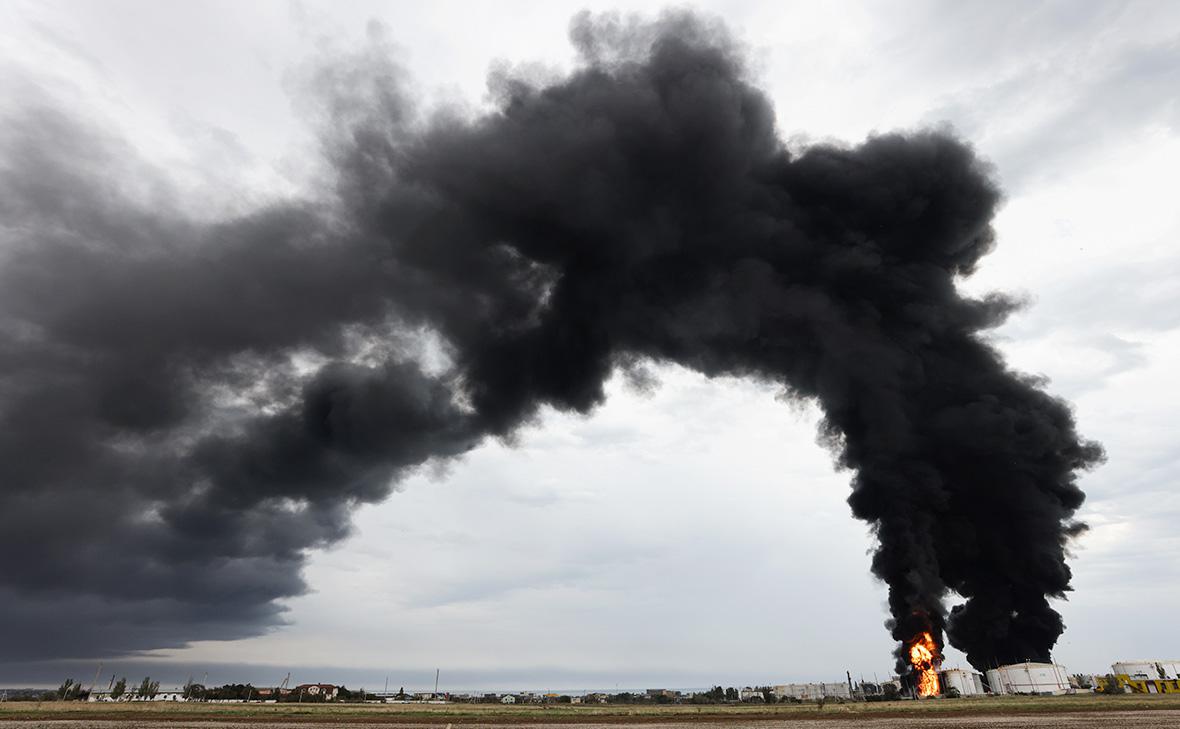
{"x": 186, "y": 408}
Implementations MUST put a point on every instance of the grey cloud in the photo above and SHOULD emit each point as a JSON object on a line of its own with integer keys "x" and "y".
{"x": 640, "y": 208}
{"x": 412, "y": 678}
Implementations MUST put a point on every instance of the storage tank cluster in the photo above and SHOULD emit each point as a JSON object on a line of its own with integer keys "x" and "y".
{"x": 1029, "y": 678}
{"x": 967, "y": 683}
{"x": 1147, "y": 676}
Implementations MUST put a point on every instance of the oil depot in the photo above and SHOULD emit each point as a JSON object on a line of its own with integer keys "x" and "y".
{"x": 1029, "y": 678}
{"x": 1045, "y": 679}
{"x": 966, "y": 683}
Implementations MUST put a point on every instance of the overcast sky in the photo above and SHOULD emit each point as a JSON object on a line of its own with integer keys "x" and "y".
{"x": 681, "y": 537}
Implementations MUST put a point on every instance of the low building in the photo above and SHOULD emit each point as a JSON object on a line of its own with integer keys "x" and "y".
{"x": 315, "y": 690}
{"x": 1148, "y": 670}
{"x": 131, "y": 695}
{"x": 508, "y": 699}
{"x": 429, "y": 696}
{"x": 812, "y": 691}
{"x": 1146, "y": 677}
{"x": 1029, "y": 678}
{"x": 866, "y": 689}
{"x": 967, "y": 683}
{"x": 1141, "y": 685}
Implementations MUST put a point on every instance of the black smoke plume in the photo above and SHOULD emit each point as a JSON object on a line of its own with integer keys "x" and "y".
{"x": 187, "y": 407}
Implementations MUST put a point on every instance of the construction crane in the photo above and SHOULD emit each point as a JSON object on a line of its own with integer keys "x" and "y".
{"x": 94, "y": 683}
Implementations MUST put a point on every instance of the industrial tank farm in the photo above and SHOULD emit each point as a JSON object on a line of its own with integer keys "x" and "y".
{"x": 967, "y": 683}
{"x": 1029, "y": 678}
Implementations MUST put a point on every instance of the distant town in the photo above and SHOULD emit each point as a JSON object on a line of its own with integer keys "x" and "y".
{"x": 1140, "y": 676}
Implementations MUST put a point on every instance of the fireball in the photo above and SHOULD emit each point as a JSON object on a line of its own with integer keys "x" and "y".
{"x": 924, "y": 658}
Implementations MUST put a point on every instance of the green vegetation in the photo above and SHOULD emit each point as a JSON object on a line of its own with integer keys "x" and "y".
{"x": 148, "y": 688}
{"x": 69, "y": 690}
{"x": 566, "y": 713}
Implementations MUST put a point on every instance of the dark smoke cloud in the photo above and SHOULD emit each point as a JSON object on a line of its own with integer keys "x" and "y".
{"x": 186, "y": 408}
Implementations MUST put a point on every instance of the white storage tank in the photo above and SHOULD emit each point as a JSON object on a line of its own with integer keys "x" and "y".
{"x": 1029, "y": 678}
{"x": 1148, "y": 670}
{"x": 968, "y": 683}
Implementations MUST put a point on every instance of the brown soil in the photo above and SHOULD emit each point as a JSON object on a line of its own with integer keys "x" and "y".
{"x": 1131, "y": 719}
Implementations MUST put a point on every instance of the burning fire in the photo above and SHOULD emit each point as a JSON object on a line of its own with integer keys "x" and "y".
{"x": 924, "y": 658}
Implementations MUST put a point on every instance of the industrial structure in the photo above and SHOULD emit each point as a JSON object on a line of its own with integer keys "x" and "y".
{"x": 132, "y": 695}
{"x": 1148, "y": 670}
{"x": 1145, "y": 677}
{"x": 967, "y": 683}
{"x": 812, "y": 691}
{"x": 1029, "y": 678}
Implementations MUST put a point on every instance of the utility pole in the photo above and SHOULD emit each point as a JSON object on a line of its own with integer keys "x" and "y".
{"x": 436, "y": 682}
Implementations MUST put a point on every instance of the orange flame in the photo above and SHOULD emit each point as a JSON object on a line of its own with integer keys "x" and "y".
{"x": 924, "y": 658}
